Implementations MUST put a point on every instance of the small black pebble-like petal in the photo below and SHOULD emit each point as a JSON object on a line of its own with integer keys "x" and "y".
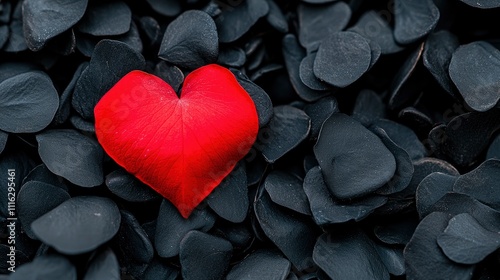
{"x": 39, "y": 19}
{"x": 106, "y": 19}
{"x": 404, "y": 137}
{"x": 285, "y": 230}
{"x": 399, "y": 94}
{"x": 256, "y": 60}
{"x": 310, "y": 162}
{"x": 190, "y": 41}
{"x": 133, "y": 242}
{"x": 79, "y": 224}
{"x": 72, "y": 155}
{"x": 230, "y": 199}
{"x": 354, "y": 161}
{"x": 261, "y": 264}
{"x": 63, "y": 112}
{"x": 256, "y": 168}
{"x": 372, "y": 26}
{"x": 42, "y": 174}
{"x": 150, "y": 229}
{"x": 232, "y": 57}
{"x": 431, "y": 189}
{"x": 317, "y": 22}
{"x": 129, "y": 188}
{"x": 34, "y": 200}
{"x": 171, "y": 227}
{"x": 132, "y": 38}
{"x": 166, "y": 8}
{"x": 318, "y": 1}
{"x": 46, "y": 267}
{"x": 437, "y": 55}
{"x": 482, "y": 183}
{"x": 236, "y": 20}
{"x": 326, "y": 210}
{"x": 4, "y": 35}
{"x": 342, "y": 58}
{"x": 368, "y": 107}
{"x": 392, "y": 257}
{"x": 63, "y": 44}
{"x": 203, "y": 256}
{"x": 170, "y": 74}
{"x": 4, "y": 136}
{"x": 414, "y": 19}
{"x": 254, "y": 49}
{"x": 110, "y": 61}
{"x": 5, "y": 10}
{"x": 465, "y": 241}
{"x": 418, "y": 121}
{"x": 262, "y": 70}
{"x": 240, "y": 235}
{"x": 17, "y": 42}
{"x": 398, "y": 232}
{"x": 482, "y": 4}
{"x": 212, "y": 9}
{"x": 404, "y": 167}
{"x": 11, "y": 69}
{"x": 422, "y": 168}
{"x": 424, "y": 257}
{"x": 493, "y": 150}
{"x": 287, "y": 129}
{"x": 319, "y": 111}
{"x": 350, "y": 255}
{"x": 29, "y": 102}
{"x": 469, "y": 133}
{"x": 307, "y": 75}
{"x": 158, "y": 269}
{"x": 87, "y": 43}
{"x": 293, "y": 54}
{"x": 376, "y": 52}
{"x": 286, "y": 190}
{"x": 151, "y": 28}
{"x": 262, "y": 101}
{"x": 276, "y": 18}
{"x": 478, "y": 85}
{"x": 82, "y": 125}
{"x": 457, "y": 203}
{"x": 103, "y": 266}
{"x": 253, "y": 45}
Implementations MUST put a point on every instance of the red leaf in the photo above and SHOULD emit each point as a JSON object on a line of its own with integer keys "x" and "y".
{"x": 181, "y": 147}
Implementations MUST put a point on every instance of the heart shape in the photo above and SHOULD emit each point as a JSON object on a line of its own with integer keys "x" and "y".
{"x": 182, "y": 147}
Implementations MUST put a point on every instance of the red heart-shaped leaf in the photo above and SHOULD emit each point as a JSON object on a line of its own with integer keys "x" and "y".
{"x": 181, "y": 147}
